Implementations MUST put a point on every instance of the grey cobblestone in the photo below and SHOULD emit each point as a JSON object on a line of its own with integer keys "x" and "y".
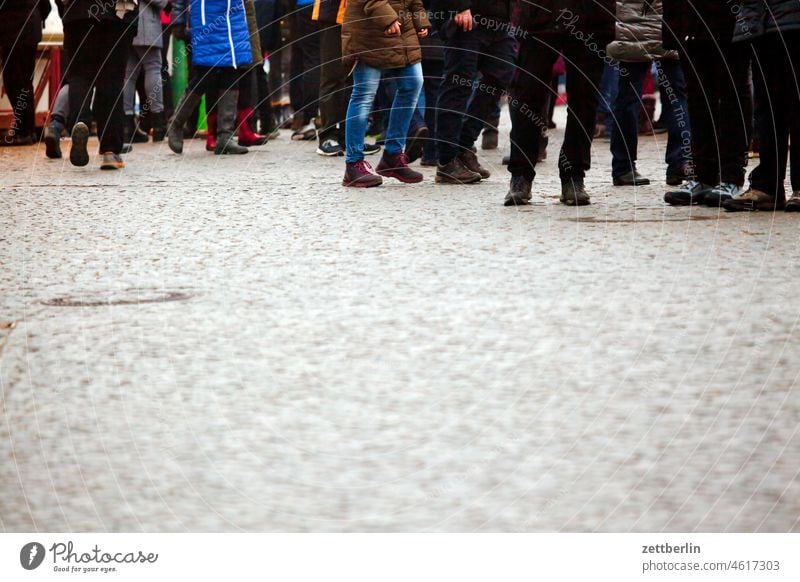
{"x": 401, "y": 359}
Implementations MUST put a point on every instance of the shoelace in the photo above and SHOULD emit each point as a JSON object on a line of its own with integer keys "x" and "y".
{"x": 364, "y": 167}
{"x": 690, "y": 186}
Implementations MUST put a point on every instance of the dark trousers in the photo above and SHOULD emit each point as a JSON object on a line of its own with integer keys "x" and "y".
{"x": 334, "y": 87}
{"x": 628, "y": 105}
{"x": 213, "y": 82}
{"x": 775, "y": 58}
{"x": 481, "y": 62}
{"x": 432, "y": 71}
{"x": 99, "y": 53}
{"x": 304, "y": 86}
{"x": 19, "y": 62}
{"x": 721, "y": 108}
{"x": 529, "y": 98}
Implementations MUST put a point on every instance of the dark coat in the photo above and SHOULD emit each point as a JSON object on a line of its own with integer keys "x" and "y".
{"x": 94, "y": 10}
{"x": 363, "y": 35}
{"x": 21, "y": 20}
{"x": 698, "y": 20}
{"x": 578, "y": 17}
{"x": 498, "y": 9}
{"x": 760, "y": 17}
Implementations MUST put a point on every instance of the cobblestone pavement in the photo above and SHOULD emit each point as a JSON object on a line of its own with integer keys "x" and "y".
{"x": 402, "y": 359}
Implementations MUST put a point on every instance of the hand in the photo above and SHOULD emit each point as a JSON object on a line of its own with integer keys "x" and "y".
{"x": 393, "y": 30}
{"x": 422, "y": 33}
{"x": 464, "y": 20}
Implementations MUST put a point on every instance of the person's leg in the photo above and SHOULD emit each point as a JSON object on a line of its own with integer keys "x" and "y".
{"x": 309, "y": 33}
{"x": 625, "y": 110}
{"x": 736, "y": 112}
{"x": 81, "y": 44}
{"x": 19, "y": 62}
{"x": 115, "y": 42}
{"x": 151, "y": 63}
{"x": 584, "y": 70}
{"x": 527, "y": 99}
{"x": 408, "y": 81}
{"x": 702, "y": 73}
{"x": 496, "y": 64}
{"x": 333, "y": 83}
{"x": 770, "y": 60}
{"x": 432, "y": 70}
{"x": 365, "y": 84}
{"x": 461, "y": 56}
{"x": 672, "y": 85}
{"x": 132, "y": 69}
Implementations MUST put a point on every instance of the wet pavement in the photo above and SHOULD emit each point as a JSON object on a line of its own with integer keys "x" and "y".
{"x": 238, "y": 343}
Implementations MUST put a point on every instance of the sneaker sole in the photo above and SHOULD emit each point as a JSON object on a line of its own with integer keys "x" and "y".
{"x": 513, "y": 201}
{"x": 672, "y": 201}
{"x": 449, "y": 180}
{"x": 78, "y": 154}
{"x": 638, "y": 183}
{"x": 347, "y": 184}
{"x": 391, "y": 174}
{"x": 330, "y": 154}
{"x": 114, "y": 166}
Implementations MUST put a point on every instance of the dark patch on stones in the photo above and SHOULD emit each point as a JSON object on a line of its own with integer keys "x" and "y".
{"x": 124, "y": 297}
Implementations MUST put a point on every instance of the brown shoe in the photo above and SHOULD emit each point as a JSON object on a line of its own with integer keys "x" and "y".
{"x": 360, "y": 175}
{"x": 455, "y": 172}
{"x": 751, "y": 200}
{"x": 470, "y": 160}
{"x": 396, "y": 166}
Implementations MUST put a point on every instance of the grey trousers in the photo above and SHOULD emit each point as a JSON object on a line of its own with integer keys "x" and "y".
{"x": 148, "y": 59}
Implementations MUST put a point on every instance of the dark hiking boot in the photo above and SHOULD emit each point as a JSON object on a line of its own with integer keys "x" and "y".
{"x": 455, "y": 172}
{"x": 519, "y": 191}
{"x": 396, "y": 166}
{"x": 360, "y": 175}
{"x": 573, "y": 193}
{"x": 470, "y": 160}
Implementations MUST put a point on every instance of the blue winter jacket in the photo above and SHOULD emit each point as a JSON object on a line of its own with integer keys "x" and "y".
{"x": 220, "y": 37}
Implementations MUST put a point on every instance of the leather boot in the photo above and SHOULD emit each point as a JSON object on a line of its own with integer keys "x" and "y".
{"x": 226, "y": 124}
{"x": 248, "y": 137}
{"x": 185, "y": 108}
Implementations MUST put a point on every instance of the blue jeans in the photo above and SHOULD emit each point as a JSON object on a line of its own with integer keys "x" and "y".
{"x": 366, "y": 79}
{"x": 625, "y": 135}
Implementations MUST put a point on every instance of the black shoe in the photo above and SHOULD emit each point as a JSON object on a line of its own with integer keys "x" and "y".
{"x": 691, "y": 192}
{"x": 78, "y": 154}
{"x": 428, "y": 163}
{"x": 519, "y": 191}
{"x": 415, "y": 142}
{"x": 470, "y": 160}
{"x": 52, "y": 142}
{"x": 573, "y": 193}
{"x": 371, "y": 148}
{"x": 330, "y": 148}
{"x": 678, "y": 177}
{"x": 506, "y": 160}
{"x": 159, "y": 126}
{"x": 455, "y": 172}
{"x": 632, "y": 178}
{"x": 16, "y": 139}
{"x": 793, "y": 203}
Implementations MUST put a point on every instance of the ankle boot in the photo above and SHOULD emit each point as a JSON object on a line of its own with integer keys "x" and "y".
{"x": 185, "y": 108}
{"x": 159, "y": 126}
{"x": 226, "y": 120}
{"x": 248, "y": 137}
{"x": 211, "y": 138}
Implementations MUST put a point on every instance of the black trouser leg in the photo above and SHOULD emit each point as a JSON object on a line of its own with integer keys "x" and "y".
{"x": 584, "y": 70}
{"x": 527, "y": 101}
{"x": 334, "y": 90}
{"x": 19, "y": 62}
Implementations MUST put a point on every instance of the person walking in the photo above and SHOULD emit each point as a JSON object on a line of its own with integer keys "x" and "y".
{"x": 381, "y": 38}
{"x": 334, "y": 90}
{"x": 771, "y": 29}
{"x": 718, "y": 95}
{"x": 20, "y": 31}
{"x": 636, "y": 47}
{"x": 220, "y": 45}
{"x": 97, "y": 38}
{"x": 579, "y": 30}
{"x": 479, "y": 55}
{"x": 145, "y": 56}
